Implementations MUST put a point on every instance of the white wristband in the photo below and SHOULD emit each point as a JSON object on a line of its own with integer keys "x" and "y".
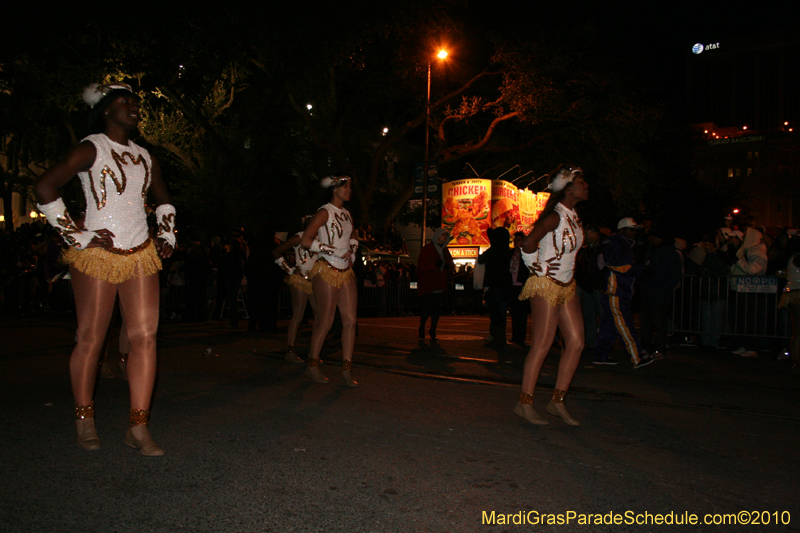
{"x": 58, "y": 217}
{"x": 165, "y": 218}
{"x": 322, "y": 248}
{"x": 281, "y": 262}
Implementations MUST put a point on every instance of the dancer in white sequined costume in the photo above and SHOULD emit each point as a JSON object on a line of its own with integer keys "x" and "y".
{"x": 114, "y": 254}
{"x": 549, "y": 252}
{"x": 331, "y": 234}
{"x": 300, "y": 288}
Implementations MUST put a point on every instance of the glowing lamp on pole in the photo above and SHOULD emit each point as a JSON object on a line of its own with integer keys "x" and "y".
{"x": 441, "y": 55}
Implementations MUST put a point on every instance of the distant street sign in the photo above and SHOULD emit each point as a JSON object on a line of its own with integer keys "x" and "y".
{"x": 762, "y": 284}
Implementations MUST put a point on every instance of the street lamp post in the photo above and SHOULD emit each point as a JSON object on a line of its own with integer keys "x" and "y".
{"x": 441, "y": 55}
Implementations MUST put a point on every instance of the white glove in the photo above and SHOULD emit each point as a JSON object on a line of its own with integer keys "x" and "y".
{"x": 165, "y": 218}
{"x": 322, "y": 248}
{"x": 58, "y": 217}
{"x": 281, "y": 262}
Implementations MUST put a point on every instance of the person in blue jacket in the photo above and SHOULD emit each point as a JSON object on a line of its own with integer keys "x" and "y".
{"x": 620, "y": 270}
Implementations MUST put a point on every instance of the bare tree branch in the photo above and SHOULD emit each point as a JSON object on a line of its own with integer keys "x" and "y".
{"x": 455, "y": 152}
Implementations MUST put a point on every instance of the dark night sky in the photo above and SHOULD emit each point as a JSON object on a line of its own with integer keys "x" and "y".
{"x": 650, "y": 39}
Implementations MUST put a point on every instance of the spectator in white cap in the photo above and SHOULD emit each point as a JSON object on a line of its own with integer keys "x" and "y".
{"x": 620, "y": 274}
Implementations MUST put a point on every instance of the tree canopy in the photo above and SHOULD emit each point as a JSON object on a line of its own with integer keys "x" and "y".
{"x": 247, "y": 112}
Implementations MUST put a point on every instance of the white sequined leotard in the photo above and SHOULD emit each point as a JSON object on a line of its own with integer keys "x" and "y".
{"x": 560, "y": 247}
{"x": 115, "y": 189}
{"x": 337, "y": 232}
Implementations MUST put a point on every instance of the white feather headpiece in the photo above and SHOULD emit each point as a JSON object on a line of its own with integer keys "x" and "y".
{"x": 94, "y": 92}
{"x": 564, "y": 177}
{"x": 333, "y": 181}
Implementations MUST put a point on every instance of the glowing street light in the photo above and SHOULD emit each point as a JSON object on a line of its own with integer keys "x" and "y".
{"x": 441, "y": 55}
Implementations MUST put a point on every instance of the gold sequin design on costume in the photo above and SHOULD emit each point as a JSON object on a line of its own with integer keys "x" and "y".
{"x": 115, "y": 265}
{"x": 122, "y": 183}
{"x": 569, "y": 235}
{"x": 558, "y": 396}
{"x": 167, "y": 224}
{"x": 335, "y": 277}
{"x": 84, "y": 411}
{"x": 121, "y": 164}
{"x": 66, "y": 227}
{"x": 299, "y": 281}
{"x": 525, "y": 398}
{"x": 139, "y": 417}
{"x": 555, "y": 292}
{"x": 336, "y": 226}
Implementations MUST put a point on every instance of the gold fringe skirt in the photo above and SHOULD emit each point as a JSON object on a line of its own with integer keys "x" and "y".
{"x": 331, "y": 275}
{"x": 297, "y": 280}
{"x": 550, "y": 290}
{"x": 115, "y": 266}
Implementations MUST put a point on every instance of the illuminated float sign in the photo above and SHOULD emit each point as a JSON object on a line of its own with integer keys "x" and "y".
{"x": 699, "y": 48}
{"x": 465, "y": 252}
{"x": 505, "y": 206}
{"x": 472, "y": 206}
{"x": 465, "y": 211}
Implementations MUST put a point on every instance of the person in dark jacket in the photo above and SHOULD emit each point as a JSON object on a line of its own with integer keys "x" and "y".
{"x": 662, "y": 275}
{"x": 434, "y": 265}
{"x": 590, "y": 278}
{"x": 620, "y": 275}
{"x": 497, "y": 281}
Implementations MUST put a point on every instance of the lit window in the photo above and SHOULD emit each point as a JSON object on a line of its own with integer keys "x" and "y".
{"x": 730, "y": 172}
{"x": 749, "y": 171}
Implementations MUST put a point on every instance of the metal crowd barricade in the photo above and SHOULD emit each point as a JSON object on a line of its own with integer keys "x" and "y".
{"x": 731, "y": 306}
{"x": 395, "y": 299}
{"x": 391, "y": 299}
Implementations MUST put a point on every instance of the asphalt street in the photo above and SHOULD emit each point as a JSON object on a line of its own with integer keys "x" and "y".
{"x": 428, "y": 442}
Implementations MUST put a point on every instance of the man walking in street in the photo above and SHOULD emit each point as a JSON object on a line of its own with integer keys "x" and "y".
{"x": 620, "y": 272}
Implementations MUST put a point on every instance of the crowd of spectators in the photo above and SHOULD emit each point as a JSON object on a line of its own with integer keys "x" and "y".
{"x": 235, "y": 278}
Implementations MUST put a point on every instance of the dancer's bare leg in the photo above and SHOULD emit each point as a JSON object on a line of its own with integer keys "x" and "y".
{"x": 299, "y": 299}
{"x": 347, "y": 308}
{"x": 313, "y": 303}
{"x": 348, "y": 305}
{"x": 124, "y": 345}
{"x": 124, "y": 341}
{"x": 94, "y": 303}
{"x": 570, "y": 323}
{"x": 327, "y": 297}
{"x": 139, "y": 298}
{"x": 544, "y": 320}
